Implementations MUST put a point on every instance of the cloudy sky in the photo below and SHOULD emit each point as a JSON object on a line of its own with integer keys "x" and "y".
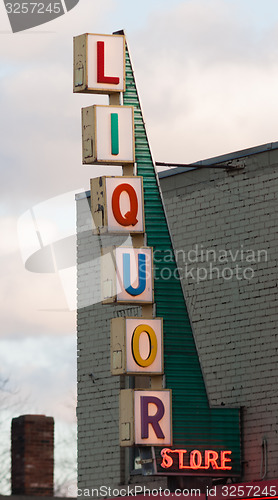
{"x": 207, "y": 73}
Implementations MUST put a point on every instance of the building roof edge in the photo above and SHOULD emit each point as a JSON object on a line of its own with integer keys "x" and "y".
{"x": 219, "y": 159}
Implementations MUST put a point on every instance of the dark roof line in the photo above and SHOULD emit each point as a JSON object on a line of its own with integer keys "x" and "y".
{"x": 179, "y": 168}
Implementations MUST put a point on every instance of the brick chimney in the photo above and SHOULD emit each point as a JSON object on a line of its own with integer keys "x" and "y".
{"x": 32, "y": 455}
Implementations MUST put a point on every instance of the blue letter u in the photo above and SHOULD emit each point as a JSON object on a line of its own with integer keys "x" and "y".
{"x": 141, "y": 274}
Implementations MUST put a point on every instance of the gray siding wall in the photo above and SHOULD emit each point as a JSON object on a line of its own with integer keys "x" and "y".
{"x": 234, "y": 313}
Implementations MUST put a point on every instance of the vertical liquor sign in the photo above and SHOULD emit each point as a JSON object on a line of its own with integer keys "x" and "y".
{"x": 203, "y": 441}
{"x": 118, "y": 207}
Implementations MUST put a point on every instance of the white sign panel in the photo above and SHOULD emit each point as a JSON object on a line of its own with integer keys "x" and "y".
{"x": 134, "y": 275}
{"x": 144, "y": 345}
{"x": 114, "y": 134}
{"x": 124, "y": 204}
{"x": 153, "y": 417}
{"x": 106, "y": 63}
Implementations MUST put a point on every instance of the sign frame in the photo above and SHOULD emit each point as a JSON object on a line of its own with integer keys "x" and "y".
{"x": 99, "y": 206}
{"x": 81, "y": 62}
{"x": 119, "y": 348}
{"x": 91, "y": 135}
{"x": 109, "y": 278}
{"x": 127, "y": 421}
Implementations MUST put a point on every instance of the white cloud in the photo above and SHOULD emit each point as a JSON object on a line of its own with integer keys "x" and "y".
{"x": 32, "y": 303}
{"x": 207, "y": 77}
{"x": 8, "y": 241}
{"x": 42, "y": 373}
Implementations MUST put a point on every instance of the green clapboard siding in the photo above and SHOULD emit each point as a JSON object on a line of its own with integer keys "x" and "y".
{"x": 195, "y": 424}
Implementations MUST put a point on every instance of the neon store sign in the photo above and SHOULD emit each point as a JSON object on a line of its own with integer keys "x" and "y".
{"x": 196, "y": 460}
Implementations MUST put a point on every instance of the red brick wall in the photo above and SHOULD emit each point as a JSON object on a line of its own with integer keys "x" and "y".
{"x": 32, "y": 455}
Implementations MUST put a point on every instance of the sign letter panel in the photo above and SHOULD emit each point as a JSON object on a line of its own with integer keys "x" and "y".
{"x": 107, "y": 135}
{"x": 152, "y": 418}
{"x": 145, "y": 417}
{"x": 136, "y": 346}
{"x": 134, "y": 275}
{"x": 99, "y": 64}
{"x": 117, "y": 204}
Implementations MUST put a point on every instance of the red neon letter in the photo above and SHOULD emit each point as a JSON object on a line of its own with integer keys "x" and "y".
{"x": 147, "y": 419}
{"x": 101, "y": 78}
{"x": 129, "y": 219}
{"x": 193, "y": 455}
{"x": 167, "y": 461}
{"x": 181, "y": 453}
{"x": 210, "y": 459}
{"x": 225, "y": 459}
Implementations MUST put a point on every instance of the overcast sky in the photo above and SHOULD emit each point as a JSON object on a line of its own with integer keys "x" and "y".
{"x": 207, "y": 73}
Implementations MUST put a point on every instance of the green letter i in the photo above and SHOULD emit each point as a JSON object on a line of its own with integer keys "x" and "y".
{"x": 114, "y": 133}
